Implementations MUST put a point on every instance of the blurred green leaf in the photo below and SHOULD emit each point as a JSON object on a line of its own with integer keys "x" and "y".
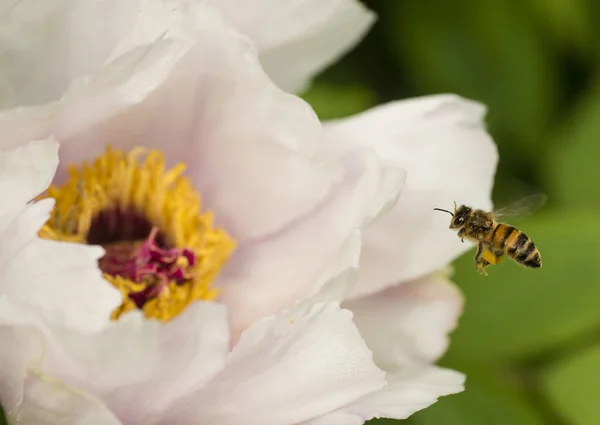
{"x": 3, "y": 420}
{"x": 516, "y": 311}
{"x": 572, "y": 164}
{"x": 594, "y": 17}
{"x": 572, "y": 386}
{"x": 489, "y": 51}
{"x": 331, "y": 100}
{"x": 565, "y": 21}
{"x": 490, "y": 398}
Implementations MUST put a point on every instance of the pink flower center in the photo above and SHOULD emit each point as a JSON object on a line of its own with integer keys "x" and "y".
{"x": 138, "y": 252}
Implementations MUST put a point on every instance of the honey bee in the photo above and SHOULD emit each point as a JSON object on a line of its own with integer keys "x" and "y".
{"x": 495, "y": 239}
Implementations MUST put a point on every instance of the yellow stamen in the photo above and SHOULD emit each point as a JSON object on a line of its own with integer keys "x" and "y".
{"x": 122, "y": 186}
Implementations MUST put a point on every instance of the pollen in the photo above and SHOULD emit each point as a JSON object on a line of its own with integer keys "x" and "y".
{"x": 161, "y": 251}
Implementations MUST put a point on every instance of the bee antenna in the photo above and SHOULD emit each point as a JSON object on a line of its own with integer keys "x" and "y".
{"x": 439, "y": 209}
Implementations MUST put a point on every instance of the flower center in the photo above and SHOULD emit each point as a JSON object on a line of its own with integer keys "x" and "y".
{"x": 162, "y": 252}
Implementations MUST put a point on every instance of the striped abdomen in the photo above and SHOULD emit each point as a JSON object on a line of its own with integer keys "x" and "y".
{"x": 515, "y": 244}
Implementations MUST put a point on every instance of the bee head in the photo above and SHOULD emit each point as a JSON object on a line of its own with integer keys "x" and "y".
{"x": 459, "y": 217}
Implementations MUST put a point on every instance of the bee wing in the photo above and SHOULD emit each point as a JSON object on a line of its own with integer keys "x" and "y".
{"x": 522, "y": 207}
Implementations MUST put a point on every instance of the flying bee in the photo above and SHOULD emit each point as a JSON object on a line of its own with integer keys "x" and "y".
{"x": 495, "y": 239}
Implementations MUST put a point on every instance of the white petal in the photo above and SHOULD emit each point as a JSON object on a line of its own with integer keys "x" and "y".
{"x": 272, "y": 273}
{"x": 160, "y": 19}
{"x": 57, "y": 280}
{"x": 32, "y": 397}
{"x": 26, "y": 349}
{"x": 410, "y": 322}
{"x": 25, "y": 172}
{"x": 442, "y": 143}
{"x": 49, "y": 402}
{"x": 410, "y": 391}
{"x": 406, "y": 393}
{"x": 163, "y": 32}
{"x": 286, "y": 369}
{"x": 139, "y": 367}
{"x": 158, "y": 35}
{"x": 45, "y": 44}
{"x": 60, "y": 281}
{"x": 298, "y": 38}
{"x": 342, "y": 273}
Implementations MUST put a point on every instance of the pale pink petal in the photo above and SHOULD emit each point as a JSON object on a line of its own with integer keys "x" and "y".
{"x": 138, "y": 368}
{"x": 26, "y": 350}
{"x": 269, "y": 274}
{"x": 57, "y": 280}
{"x": 156, "y": 34}
{"x": 285, "y": 369}
{"x": 347, "y": 264}
{"x": 407, "y": 392}
{"x": 49, "y": 402}
{"x": 442, "y": 143}
{"x": 163, "y": 32}
{"x": 25, "y": 172}
{"x": 45, "y": 44}
{"x": 29, "y": 396}
{"x": 410, "y": 322}
{"x": 298, "y": 38}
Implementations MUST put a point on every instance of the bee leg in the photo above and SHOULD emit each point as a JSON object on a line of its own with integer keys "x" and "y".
{"x": 461, "y": 235}
{"x": 480, "y": 262}
{"x": 485, "y": 257}
{"x": 479, "y": 251}
{"x": 481, "y": 266}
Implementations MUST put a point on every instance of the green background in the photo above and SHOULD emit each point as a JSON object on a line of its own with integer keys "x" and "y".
{"x": 529, "y": 340}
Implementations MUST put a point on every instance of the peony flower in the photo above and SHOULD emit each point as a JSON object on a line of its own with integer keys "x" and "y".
{"x": 277, "y": 196}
